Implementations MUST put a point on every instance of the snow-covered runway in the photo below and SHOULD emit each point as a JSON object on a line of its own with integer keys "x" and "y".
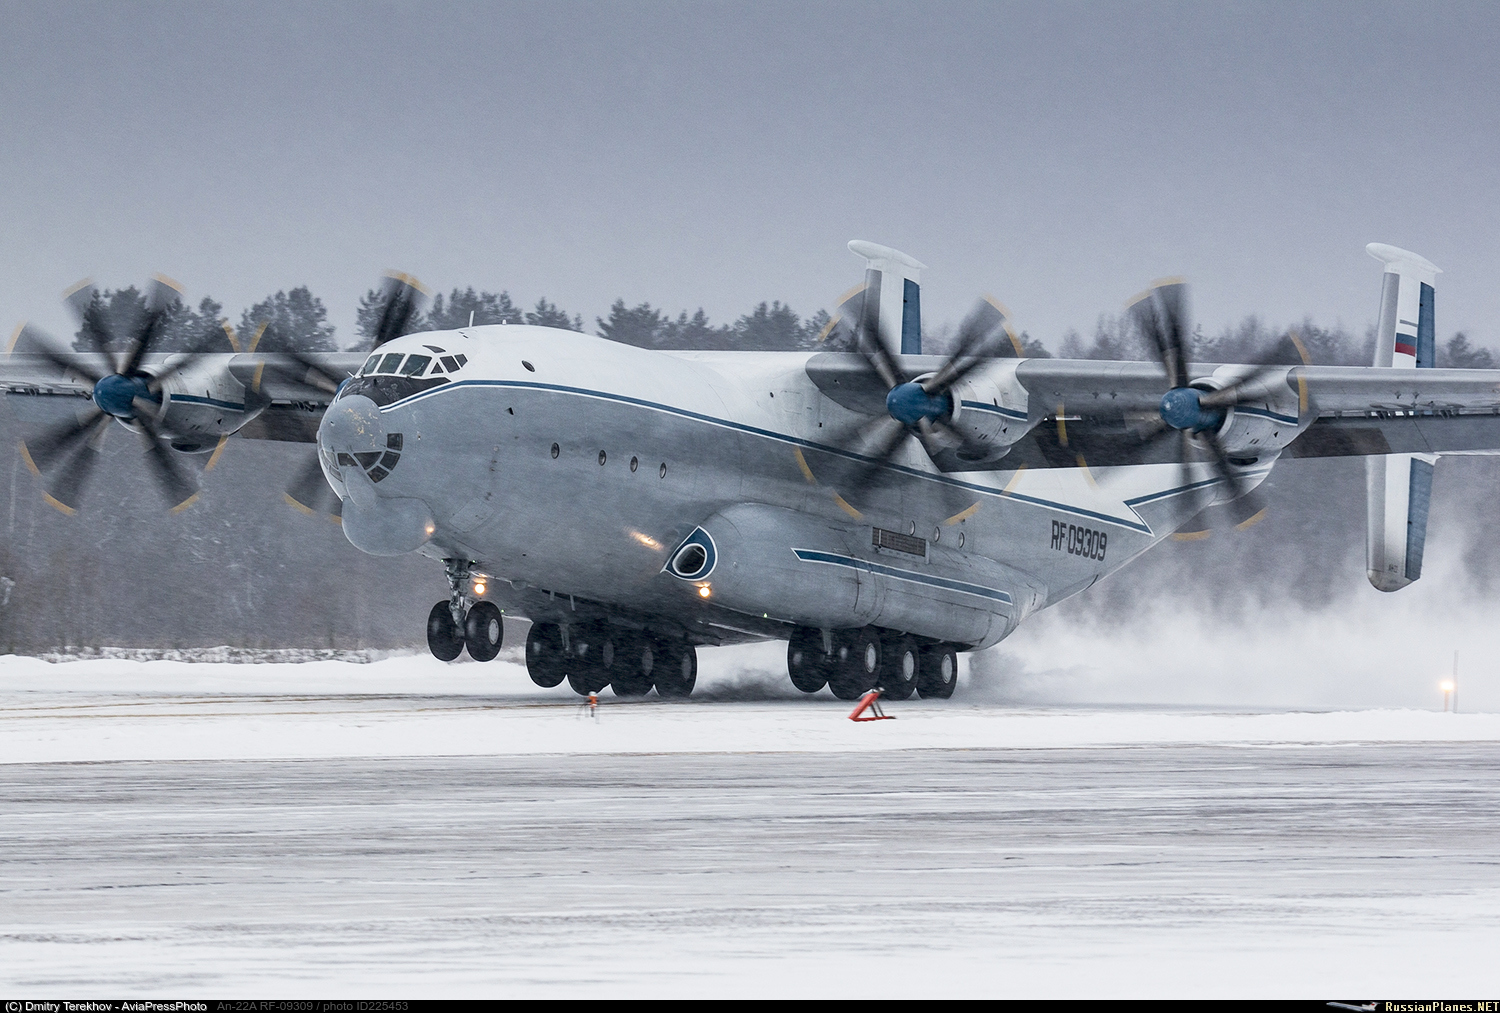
{"x": 406, "y": 829}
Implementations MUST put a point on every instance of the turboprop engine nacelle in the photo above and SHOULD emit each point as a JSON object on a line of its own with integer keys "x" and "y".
{"x": 199, "y": 404}
{"x": 990, "y": 408}
{"x": 1269, "y": 415}
{"x": 759, "y": 559}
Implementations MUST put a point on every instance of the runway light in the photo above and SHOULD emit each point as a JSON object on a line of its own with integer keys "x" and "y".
{"x": 703, "y": 591}
{"x": 1446, "y": 685}
{"x": 479, "y": 587}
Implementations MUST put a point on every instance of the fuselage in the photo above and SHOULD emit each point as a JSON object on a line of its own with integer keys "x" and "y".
{"x": 573, "y": 468}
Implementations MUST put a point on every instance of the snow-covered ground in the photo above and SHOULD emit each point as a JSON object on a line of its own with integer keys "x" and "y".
{"x": 110, "y": 709}
{"x": 406, "y": 828}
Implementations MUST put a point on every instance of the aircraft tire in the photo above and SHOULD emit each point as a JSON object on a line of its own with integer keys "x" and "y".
{"x": 444, "y": 639}
{"x": 634, "y": 664}
{"x": 901, "y": 664}
{"x": 592, "y": 664}
{"x": 484, "y": 630}
{"x": 937, "y": 674}
{"x": 676, "y": 670}
{"x": 856, "y": 663}
{"x": 546, "y": 662}
{"x": 805, "y": 661}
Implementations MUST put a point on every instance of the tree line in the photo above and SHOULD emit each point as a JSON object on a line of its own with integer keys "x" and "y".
{"x": 1253, "y": 340}
{"x": 296, "y": 319}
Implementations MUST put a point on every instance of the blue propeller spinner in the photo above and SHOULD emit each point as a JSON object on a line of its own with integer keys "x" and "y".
{"x": 1182, "y": 408}
{"x": 909, "y": 404}
{"x": 115, "y": 394}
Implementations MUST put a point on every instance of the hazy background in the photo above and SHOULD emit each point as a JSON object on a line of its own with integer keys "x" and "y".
{"x": 1059, "y": 156}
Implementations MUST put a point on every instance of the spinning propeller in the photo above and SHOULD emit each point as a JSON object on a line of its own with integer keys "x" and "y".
{"x": 65, "y": 455}
{"x": 1192, "y": 416}
{"x": 919, "y": 409}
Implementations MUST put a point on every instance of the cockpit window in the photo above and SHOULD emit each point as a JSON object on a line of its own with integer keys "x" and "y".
{"x": 389, "y": 363}
{"x": 415, "y": 364}
{"x": 369, "y": 366}
{"x": 452, "y": 362}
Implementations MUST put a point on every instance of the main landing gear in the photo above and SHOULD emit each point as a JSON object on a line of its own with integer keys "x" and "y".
{"x": 457, "y": 623}
{"x": 853, "y": 662}
{"x": 594, "y": 655}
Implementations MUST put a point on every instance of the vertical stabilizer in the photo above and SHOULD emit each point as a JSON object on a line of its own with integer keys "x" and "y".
{"x": 1398, "y": 487}
{"x": 893, "y": 282}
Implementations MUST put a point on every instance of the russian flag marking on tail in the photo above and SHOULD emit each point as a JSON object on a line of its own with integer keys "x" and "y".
{"x": 1399, "y": 486}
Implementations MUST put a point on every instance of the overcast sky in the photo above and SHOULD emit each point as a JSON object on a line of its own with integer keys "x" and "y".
{"x": 1059, "y": 156}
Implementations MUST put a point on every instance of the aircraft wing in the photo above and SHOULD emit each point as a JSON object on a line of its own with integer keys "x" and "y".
{"x": 1085, "y": 386}
{"x": 36, "y": 374}
{"x": 1094, "y": 410}
{"x": 1358, "y": 410}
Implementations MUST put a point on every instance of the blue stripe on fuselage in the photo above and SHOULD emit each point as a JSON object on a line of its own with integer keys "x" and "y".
{"x": 1131, "y": 524}
{"x": 834, "y": 559}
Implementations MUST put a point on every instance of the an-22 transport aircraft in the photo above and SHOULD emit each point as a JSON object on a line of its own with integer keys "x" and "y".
{"x": 881, "y": 510}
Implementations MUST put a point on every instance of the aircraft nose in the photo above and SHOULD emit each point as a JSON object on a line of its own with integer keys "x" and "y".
{"x": 352, "y": 425}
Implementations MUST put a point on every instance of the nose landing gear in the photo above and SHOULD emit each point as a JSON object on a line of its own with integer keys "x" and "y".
{"x": 461, "y": 622}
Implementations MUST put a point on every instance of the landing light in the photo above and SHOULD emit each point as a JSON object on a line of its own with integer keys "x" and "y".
{"x": 479, "y": 587}
{"x": 703, "y": 591}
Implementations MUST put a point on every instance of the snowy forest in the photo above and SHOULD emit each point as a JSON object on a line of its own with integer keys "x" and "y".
{"x": 241, "y": 568}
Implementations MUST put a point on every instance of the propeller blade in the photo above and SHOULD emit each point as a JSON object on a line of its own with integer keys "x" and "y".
{"x": 1173, "y": 298}
{"x": 161, "y": 295}
{"x": 404, "y": 296}
{"x": 175, "y": 484}
{"x": 310, "y": 492}
{"x": 874, "y": 350}
{"x": 973, "y": 347}
{"x": 93, "y": 326}
{"x": 43, "y": 452}
{"x": 1265, "y": 365}
{"x": 1158, "y": 312}
{"x": 306, "y": 373}
{"x": 66, "y": 491}
{"x": 888, "y": 437}
{"x": 41, "y": 344}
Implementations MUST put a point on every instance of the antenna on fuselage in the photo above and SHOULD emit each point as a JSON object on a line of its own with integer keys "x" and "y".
{"x": 471, "y": 318}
